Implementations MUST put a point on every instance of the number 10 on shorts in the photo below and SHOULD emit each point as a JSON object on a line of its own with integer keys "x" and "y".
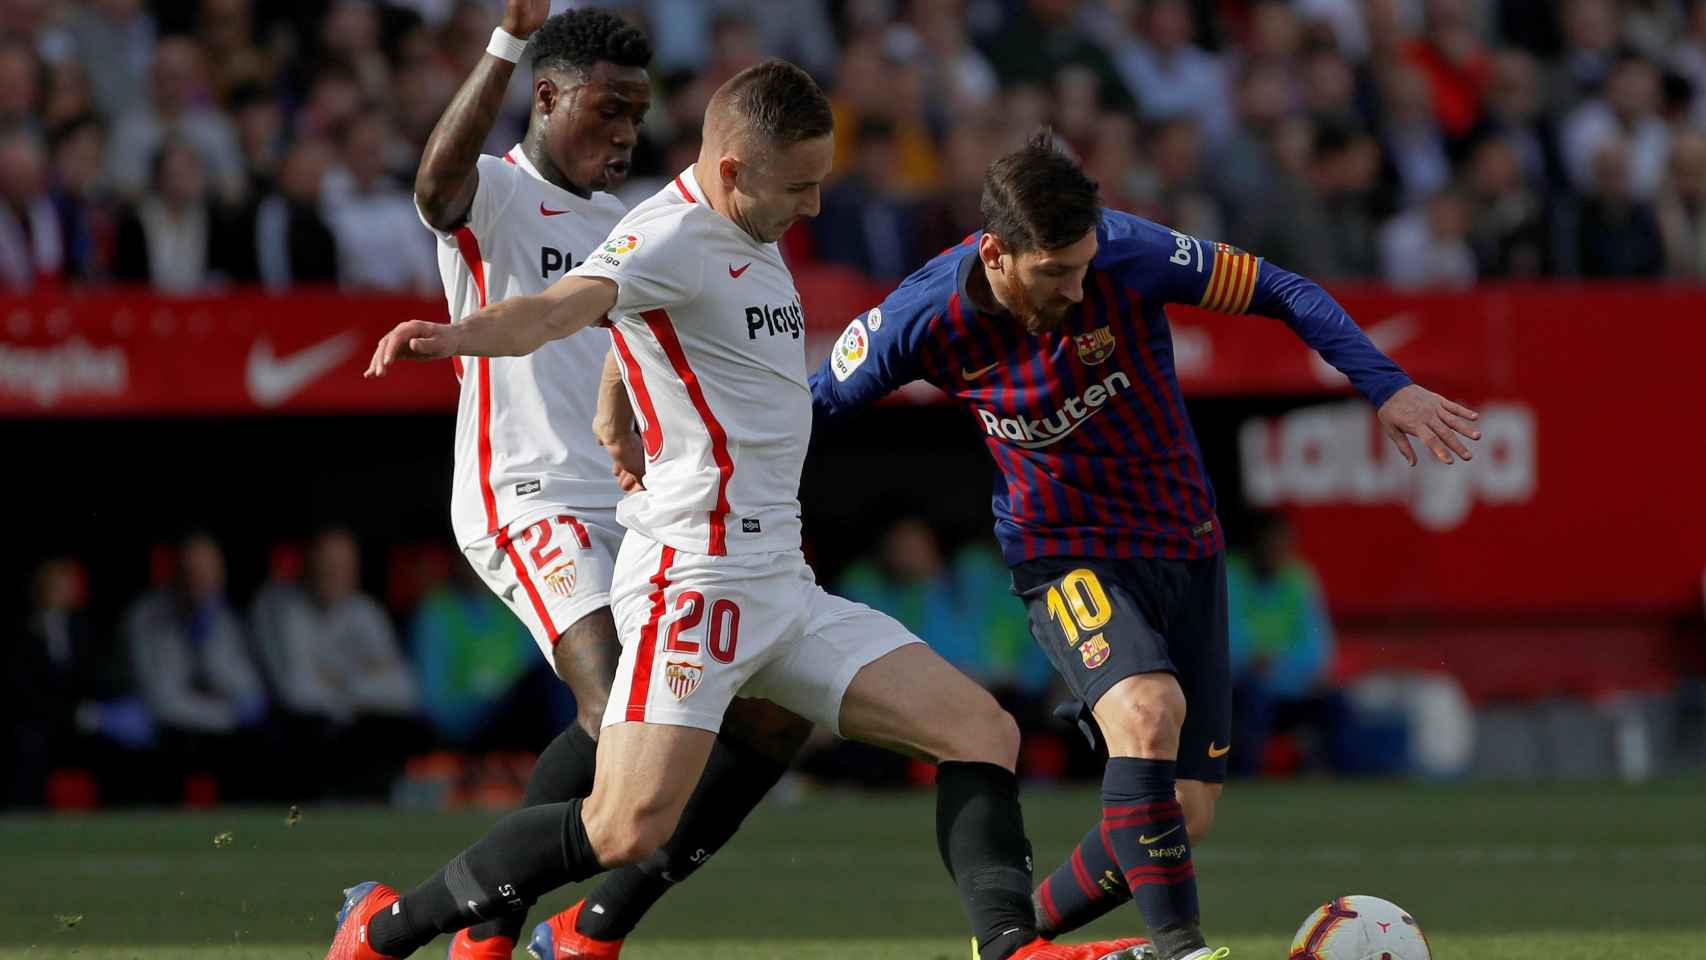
{"x": 1079, "y": 605}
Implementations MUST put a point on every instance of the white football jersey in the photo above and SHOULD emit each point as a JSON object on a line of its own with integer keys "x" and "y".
{"x": 709, "y": 331}
{"x": 524, "y": 424}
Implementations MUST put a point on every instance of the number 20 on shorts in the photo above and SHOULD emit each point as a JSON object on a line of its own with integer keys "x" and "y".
{"x": 1079, "y": 604}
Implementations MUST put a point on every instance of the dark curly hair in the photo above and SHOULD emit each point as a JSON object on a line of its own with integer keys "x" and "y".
{"x": 1038, "y": 198}
{"x": 577, "y": 39}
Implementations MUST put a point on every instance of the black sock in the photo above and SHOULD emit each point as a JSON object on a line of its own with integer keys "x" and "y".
{"x": 563, "y": 772}
{"x": 526, "y": 855}
{"x": 735, "y": 780}
{"x": 1087, "y": 886}
{"x": 1145, "y": 827}
{"x": 981, "y": 833}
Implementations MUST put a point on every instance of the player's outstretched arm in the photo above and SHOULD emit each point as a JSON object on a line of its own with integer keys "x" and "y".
{"x": 448, "y": 175}
{"x": 514, "y": 327}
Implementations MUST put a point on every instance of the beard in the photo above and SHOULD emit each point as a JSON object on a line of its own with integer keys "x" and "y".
{"x": 1021, "y": 305}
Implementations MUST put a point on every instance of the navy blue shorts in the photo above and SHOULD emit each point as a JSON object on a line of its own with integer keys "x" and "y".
{"x": 1101, "y": 621}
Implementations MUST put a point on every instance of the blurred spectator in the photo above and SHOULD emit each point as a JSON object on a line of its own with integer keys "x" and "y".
{"x": 20, "y": 86}
{"x": 1611, "y": 232}
{"x": 329, "y": 648}
{"x": 1330, "y": 90}
{"x": 1180, "y": 161}
{"x": 1627, "y": 114}
{"x": 1171, "y": 76}
{"x": 1590, "y": 50}
{"x": 63, "y": 690}
{"x": 868, "y": 85}
{"x": 195, "y": 671}
{"x": 173, "y": 238}
{"x": 177, "y": 110}
{"x": 960, "y": 76}
{"x": 1276, "y": 33}
{"x": 1689, "y": 60}
{"x": 1507, "y": 225}
{"x": 1347, "y": 179}
{"x": 1515, "y": 111}
{"x": 1281, "y": 641}
{"x": 1040, "y": 37}
{"x": 293, "y": 243}
{"x": 1456, "y": 65}
{"x": 1428, "y": 247}
{"x": 1415, "y": 148}
{"x": 1117, "y": 166}
{"x": 1682, "y": 207}
{"x": 259, "y": 121}
{"x": 32, "y": 248}
{"x": 471, "y": 655}
{"x": 349, "y": 34}
{"x": 115, "y": 42}
{"x": 68, "y": 95}
{"x": 334, "y": 101}
{"x": 1244, "y": 166}
{"x": 954, "y": 211}
{"x": 381, "y": 245}
{"x": 88, "y": 219}
{"x": 865, "y": 222}
{"x": 962, "y": 606}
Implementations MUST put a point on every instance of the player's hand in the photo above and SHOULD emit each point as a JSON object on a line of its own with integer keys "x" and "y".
{"x": 1439, "y": 423}
{"x": 414, "y": 340}
{"x": 522, "y": 17}
{"x": 627, "y": 461}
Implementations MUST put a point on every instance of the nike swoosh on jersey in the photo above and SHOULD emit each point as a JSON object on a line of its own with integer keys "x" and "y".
{"x": 1216, "y": 754}
{"x": 736, "y": 273}
{"x": 1145, "y": 838}
{"x": 971, "y": 375}
{"x": 546, "y": 211}
{"x": 272, "y": 379}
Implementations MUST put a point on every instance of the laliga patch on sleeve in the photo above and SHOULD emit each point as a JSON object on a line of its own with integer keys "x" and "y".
{"x": 850, "y": 350}
{"x": 617, "y": 248}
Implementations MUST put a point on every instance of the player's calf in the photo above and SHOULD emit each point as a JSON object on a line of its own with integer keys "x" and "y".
{"x": 1198, "y": 798}
{"x": 646, "y": 773}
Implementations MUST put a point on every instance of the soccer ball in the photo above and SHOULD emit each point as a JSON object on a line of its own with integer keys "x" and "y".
{"x": 1359, "y": 928}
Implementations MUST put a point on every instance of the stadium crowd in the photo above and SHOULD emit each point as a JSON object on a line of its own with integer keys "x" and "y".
{"x": 189, "y": 145}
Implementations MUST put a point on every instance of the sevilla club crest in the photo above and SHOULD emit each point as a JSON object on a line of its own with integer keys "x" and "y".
{"x": 682, "y": 677}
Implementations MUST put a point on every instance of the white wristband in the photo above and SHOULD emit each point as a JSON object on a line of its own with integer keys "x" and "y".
{"x": 505, "y": 45}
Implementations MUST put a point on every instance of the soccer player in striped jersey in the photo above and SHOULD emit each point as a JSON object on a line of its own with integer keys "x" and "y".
{"x": 1050, "y": 327}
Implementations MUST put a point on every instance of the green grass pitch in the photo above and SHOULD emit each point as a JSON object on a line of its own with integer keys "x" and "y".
{"x": 1544, "y": 872}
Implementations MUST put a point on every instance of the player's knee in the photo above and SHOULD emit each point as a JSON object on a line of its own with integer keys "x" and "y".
{"x": 1145, "y": 718}
{"x": 990, "y": 735}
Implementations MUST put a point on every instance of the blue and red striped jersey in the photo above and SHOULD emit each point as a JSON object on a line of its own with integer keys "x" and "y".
{"x": 1094, "y": 451}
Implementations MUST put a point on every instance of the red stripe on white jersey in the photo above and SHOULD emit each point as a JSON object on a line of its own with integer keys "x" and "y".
{"x": 664, "y": 331}
{"x": 651, "y": 432}
{"x": 640, "y": 684}
{"x": 469, "y": 245}
{"x": 684, "y": 191}
{"x": 544, "y": 615}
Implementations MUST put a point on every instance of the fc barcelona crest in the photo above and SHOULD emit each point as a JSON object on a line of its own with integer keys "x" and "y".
{"x": 682, "y": 677}
{"x": 1094, "y": 651}
{"x": 561, "y": 579}
{"x": 1095, "y": 346}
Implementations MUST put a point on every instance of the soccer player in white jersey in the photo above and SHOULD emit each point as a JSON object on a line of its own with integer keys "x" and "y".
{"x": 711, "y": 594}
{"x": 533, "y": 502}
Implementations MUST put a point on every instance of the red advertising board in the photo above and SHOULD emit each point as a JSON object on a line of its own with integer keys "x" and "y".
{"x": 1585, "y": 495}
